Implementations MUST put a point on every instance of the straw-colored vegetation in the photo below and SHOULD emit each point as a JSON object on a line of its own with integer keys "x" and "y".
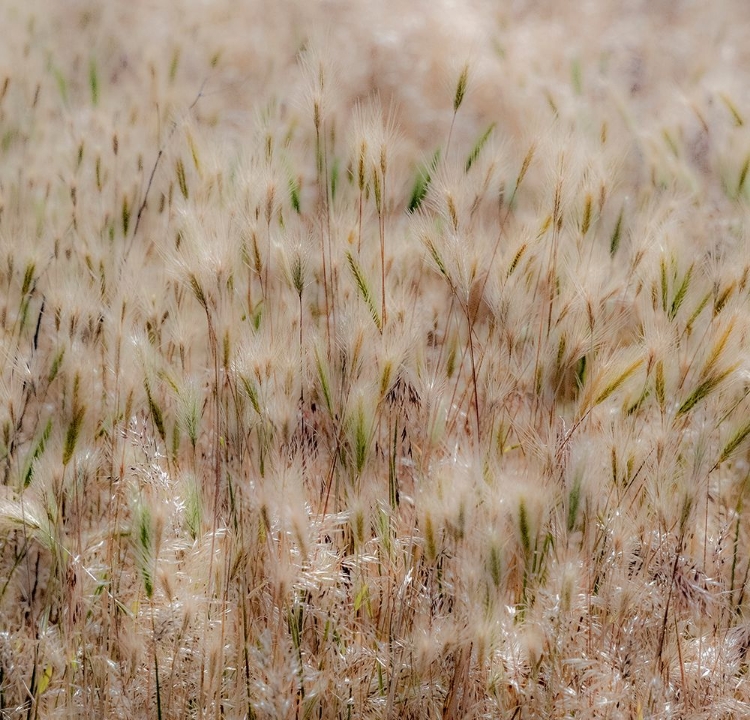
{"x": 361, "y": 362}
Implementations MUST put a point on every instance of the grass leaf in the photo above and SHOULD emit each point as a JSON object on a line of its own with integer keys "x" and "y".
{"x": 478, "y": 145}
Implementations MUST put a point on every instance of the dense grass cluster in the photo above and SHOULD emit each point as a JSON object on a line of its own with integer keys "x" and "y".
{"x": 340, "y": 385}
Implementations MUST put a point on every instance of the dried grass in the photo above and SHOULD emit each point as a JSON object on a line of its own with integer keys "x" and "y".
{"x": 338, "y": 380}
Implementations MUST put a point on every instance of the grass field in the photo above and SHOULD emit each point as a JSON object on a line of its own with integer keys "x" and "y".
{"x": 361, "y": 362}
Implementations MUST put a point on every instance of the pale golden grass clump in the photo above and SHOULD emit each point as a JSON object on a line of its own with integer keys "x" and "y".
{"x": 369, "y": 363}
